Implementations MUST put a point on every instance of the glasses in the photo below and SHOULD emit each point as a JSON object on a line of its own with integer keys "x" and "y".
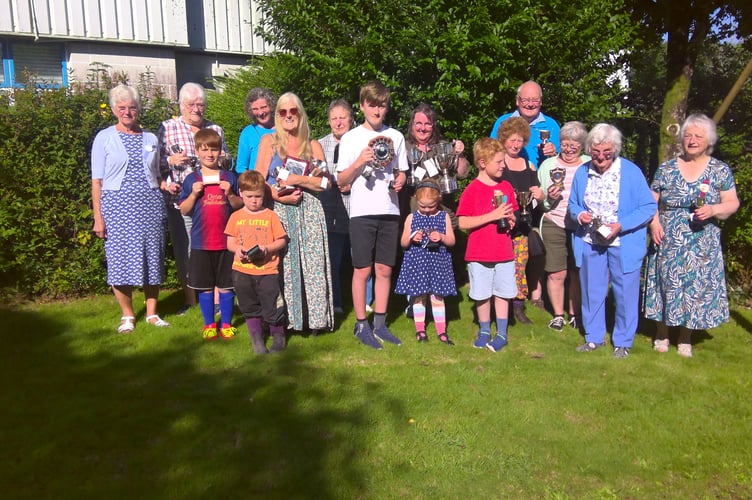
{"x": 292, "y": 111}
{"x": 570, "y": 146}
{"x": 197, "y": 105}
{"x": 529, "y": 100}
{"x": 606, "y": 155}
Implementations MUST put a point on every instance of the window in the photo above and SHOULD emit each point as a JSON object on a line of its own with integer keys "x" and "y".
{"x": 45, "y": 61}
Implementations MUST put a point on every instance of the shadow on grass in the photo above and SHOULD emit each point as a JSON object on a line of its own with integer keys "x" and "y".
{"x": 89, "y": 414}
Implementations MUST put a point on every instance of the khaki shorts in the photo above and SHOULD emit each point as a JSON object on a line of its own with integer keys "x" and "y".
{"x": 558, "y": 243}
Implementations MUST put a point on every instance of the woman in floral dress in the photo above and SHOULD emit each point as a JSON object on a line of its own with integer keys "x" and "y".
{"x": 685, "y": 283}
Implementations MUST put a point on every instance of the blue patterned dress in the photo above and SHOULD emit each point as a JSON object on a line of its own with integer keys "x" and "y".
{"x": 427, "y": 271}
{"x": 134, "y": 218}
{"x": 685, "y": 282}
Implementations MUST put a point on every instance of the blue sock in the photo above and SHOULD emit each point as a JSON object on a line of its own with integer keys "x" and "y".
{"x": 226, "y": 303}
{"x": 485, "y": 327}
{"x": 206, "y": 304}
{"x": 501, "y": 326}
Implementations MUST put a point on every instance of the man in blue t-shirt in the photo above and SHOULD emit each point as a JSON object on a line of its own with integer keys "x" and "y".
{"x": 529, "y": 99}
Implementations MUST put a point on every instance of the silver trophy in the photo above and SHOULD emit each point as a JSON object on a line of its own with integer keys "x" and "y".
{"x": 414, "y": 158}
{"x": 383, "y": 154}
{"x": 545, "y": 136}
{"x": 446, "y": 158}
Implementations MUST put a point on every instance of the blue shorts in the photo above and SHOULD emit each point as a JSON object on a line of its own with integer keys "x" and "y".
{"x": 489, "y": 278}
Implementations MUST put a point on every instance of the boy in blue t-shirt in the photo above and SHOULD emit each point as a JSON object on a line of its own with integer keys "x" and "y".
{"x": 209, "y": 196}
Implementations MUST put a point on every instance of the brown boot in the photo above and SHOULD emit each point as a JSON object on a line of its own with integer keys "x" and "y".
{"x": 257, "y": 340}
{"x": 519, "y": 312}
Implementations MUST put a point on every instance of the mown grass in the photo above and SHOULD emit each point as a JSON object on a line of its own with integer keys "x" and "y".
{"x": 161, "y": 414}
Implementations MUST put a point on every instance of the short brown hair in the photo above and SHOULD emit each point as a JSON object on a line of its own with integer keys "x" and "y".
{"x": 374, "y": 92}
{"x": 251, "y": 180}
{"x": 485, "y": 149}
{"x": 208, "y": 137}
{"x": 511, "y": 126}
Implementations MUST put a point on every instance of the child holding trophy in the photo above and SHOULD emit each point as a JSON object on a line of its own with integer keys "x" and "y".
{"x": 486, "y": 211}
{"x": 427, "y": 265}
{"x": 373, "y": 161}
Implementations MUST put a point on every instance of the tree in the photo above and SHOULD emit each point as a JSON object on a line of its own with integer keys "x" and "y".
{"x": 687, "y": 30}
{"x": 466, "y": 60}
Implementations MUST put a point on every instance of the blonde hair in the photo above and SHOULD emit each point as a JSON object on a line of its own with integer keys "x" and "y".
{"x": 279, "y": 136}
{"x": 485, "y": 149}
{"x": 428, "y": 189}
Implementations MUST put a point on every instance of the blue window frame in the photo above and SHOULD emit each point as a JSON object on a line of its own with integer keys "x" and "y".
{"x": 45, "y": 60}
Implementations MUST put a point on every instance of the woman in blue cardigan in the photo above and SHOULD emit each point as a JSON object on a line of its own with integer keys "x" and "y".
{"x": 612, "y": 204}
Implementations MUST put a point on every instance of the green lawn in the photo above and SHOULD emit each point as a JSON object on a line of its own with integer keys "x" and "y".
{"x": 87, "y": 413}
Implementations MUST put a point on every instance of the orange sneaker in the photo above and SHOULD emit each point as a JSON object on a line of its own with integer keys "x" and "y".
{"x": 227, "y": 331}
{"x": 210, "y": 332}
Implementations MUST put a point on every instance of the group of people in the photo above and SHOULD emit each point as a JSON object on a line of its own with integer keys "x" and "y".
{"x": 273, "y": 233}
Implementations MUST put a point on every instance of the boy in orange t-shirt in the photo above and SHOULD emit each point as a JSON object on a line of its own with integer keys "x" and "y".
{"x": 256, "y": 236}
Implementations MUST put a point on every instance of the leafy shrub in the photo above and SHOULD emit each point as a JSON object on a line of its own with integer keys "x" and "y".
{"x": 45, "y": 187}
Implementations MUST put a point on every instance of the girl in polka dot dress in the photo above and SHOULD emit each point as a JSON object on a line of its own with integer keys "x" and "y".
{"x": 427, "y": 264}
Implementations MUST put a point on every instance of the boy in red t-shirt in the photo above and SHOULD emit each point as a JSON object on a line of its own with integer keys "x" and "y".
{"x": 255, "y": 235}
{"x": 486, "y": 210}
{"x": 209, "y": 195}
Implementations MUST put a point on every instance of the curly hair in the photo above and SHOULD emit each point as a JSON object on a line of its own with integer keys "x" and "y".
{"x": 515, "y": 125}
{"x": 254, "y": 95}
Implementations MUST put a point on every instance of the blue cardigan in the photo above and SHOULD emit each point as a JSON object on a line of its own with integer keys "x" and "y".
{"x": 636, "y": 208}
{"x": 109, "y": 159}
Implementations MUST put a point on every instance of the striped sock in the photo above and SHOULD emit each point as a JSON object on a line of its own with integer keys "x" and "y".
{"x": 439, "y": 313}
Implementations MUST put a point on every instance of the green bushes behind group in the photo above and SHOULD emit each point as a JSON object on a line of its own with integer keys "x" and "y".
{"x": 48, "y": 249}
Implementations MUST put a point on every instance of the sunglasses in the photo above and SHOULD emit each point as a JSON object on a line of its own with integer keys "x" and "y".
{"x": 292, "y": 111}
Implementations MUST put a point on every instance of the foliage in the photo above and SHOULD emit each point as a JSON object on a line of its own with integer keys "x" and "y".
{"x": 45, "y": 199}
{"x": 467, "y": 61}
{"x": 88, "y": 413}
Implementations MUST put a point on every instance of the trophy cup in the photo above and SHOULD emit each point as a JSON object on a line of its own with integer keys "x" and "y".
{"x": 545, "y": 136}
{"x": 414, "y": 158}
{"x": 502, "y": 225}
{"x": 523, "y": 200}
{"x": 383, "y": 154}
{"x": 445, "y": 157}
{"x": 699, "y": 201}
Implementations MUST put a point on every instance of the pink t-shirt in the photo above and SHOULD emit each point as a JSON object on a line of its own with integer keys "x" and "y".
{"x": 485, "y": 243}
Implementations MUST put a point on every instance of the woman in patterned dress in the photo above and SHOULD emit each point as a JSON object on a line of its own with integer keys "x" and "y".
{"x": 306, "y": 271}
{"x": 685, "y": 284}
{"x": 128, "y": 208}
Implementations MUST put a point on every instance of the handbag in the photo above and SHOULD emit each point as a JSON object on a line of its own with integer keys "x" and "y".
{"x": 535, "y": 246}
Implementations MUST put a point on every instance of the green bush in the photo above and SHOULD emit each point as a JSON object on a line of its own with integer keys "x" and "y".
{"x": 48, "y": 249}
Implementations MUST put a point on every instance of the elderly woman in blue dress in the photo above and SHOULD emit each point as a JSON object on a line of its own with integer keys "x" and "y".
{"x": 685, "y": 283}
{"x": 611, "y": 203}
{"x": 129, "y": 211}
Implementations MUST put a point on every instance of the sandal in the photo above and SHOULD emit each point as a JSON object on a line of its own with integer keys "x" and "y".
{"x": 421, "y": 337}
{"x": 685, "y": 350}
{"x": 660, "y": 345}
{"x": 443, "y": 337}
{"x": 126, "y": 324}
{"x": 157, "y": 321}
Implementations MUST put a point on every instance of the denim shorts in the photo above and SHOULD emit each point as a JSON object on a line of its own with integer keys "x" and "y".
{"x": 489, "y": 278}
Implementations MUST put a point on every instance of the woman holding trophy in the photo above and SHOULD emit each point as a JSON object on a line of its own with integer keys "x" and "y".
{"x": 685, "y": 283}
{"x": 556, "y": 229}
{"x": 294, "y": 167}
{"x": 513, "y": 134}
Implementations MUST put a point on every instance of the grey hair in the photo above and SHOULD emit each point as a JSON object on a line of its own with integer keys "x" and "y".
{"x": 574, "y": 131}
{"x": 702, "y": 121}
{"x": 122, "y": 93}
{"x": 604, "y": 133}
{"x": 191, "y": 89}
{"x": 257, "y": 93}
{"x": 340, "y": 103}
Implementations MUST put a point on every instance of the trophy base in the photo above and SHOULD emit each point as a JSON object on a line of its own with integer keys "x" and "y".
{"x": 448, "y": 185}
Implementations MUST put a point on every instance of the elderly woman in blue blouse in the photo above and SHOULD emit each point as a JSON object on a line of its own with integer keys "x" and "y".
{"x": 129, "y": 212}
{"x": 685, "y": 283}
{"x": 611, "y": 203}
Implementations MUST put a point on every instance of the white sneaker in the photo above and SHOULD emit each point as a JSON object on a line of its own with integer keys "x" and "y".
{"x": 369, "y": 309}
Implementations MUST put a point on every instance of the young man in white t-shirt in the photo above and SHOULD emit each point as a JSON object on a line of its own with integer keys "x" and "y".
{"x": 372, "y": 160}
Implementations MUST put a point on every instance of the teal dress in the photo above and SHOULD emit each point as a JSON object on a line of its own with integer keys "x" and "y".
{"x": 685, "y": 283}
